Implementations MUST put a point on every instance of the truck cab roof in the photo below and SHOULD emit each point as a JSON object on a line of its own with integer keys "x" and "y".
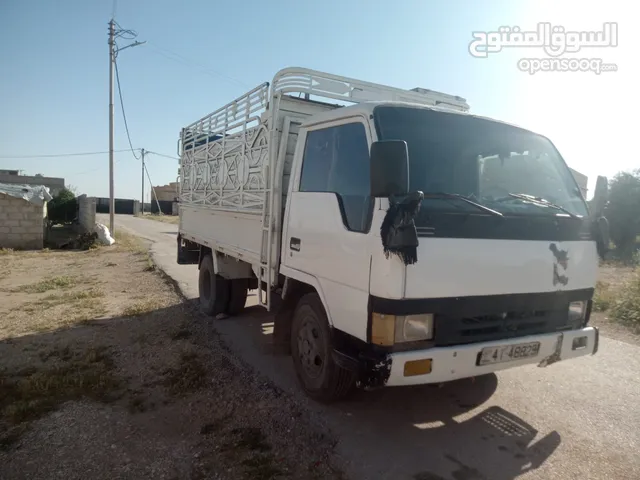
{"x": 366, "y": 109}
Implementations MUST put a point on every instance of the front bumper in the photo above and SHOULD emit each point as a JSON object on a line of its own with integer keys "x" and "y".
{"x": 455, "y": 362}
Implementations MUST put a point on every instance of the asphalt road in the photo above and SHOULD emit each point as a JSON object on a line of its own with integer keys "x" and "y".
{"x": 578, "y": 419}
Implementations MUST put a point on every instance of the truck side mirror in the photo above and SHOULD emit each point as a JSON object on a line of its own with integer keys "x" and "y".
{"x": 389, "y": 168}
{"x": 600, "y": 196}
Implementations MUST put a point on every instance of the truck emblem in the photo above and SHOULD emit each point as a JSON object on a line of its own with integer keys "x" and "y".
{"x": 562, "y": 260}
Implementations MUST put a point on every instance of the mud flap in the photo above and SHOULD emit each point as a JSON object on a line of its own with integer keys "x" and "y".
{"x": 185, "y": 255}
{"x": 282, "y": 323}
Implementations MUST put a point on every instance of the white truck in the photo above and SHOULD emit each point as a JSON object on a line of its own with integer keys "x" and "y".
{"x": 398, "y": 238}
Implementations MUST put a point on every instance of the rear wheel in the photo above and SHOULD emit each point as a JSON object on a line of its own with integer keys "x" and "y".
{"x": 213, "y": 289}
{"x": 239, "y": 288}
{"x": 311, "y": 349}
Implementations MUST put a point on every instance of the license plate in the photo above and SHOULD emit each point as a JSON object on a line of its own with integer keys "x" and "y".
{"x": 508, "y": 353}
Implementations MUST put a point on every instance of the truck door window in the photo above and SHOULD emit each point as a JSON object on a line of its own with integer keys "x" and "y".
{"x": 336, "y": 159}
{"x": 318, "y": 155}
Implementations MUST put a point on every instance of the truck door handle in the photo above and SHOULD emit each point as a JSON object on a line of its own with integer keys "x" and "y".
{"x": 294, "y": 244}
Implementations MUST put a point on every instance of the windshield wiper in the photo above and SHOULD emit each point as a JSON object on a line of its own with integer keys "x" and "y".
{"x": 542, "y": 201}
{"x": 457, "y": 196}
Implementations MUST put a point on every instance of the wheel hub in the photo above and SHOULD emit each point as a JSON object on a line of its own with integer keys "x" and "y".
{"x": 310, "y": 348}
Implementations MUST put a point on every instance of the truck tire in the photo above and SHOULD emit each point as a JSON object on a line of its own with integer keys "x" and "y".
{"x": 311, "y": 348}
{"x": 213, "y": 289}
{"x": 238, "y": 289}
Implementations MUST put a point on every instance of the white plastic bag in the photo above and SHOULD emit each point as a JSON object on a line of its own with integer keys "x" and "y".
{"x": 103, "y": 234}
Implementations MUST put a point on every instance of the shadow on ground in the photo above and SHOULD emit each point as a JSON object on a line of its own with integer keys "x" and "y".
{"x": 419, "y": 433}
{"x": 154, "y": 395}
{"x": 425, "y": 432}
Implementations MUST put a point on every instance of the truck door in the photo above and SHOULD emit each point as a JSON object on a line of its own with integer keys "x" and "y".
{"x": 329, "y": 214}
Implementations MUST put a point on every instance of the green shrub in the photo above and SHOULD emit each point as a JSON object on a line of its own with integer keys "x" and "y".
{"x": 62, "y": 208}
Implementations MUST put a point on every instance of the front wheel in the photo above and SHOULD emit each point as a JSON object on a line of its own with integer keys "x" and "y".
{"x": 320, "y": 377}
{"x": 213, "y": 289}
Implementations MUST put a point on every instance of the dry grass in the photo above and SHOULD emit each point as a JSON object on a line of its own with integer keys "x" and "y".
{"x": 188, "y": 376}
{"x": 168, "y": 378}
{"x": 45, "y": 285}
{"x": 30, "y": 393}
{"x": 172, "y": 219}
{"x": 625, "y": 308}
{"x": 71, "y": 285}
{"x": 135, "y": 245}
{"x": 81, "y": 296}
{"x": 130, "y": 243}
{"x": 143, "y": 307}
{"x": 616, "y": 302}
{"x": 70, "y": 370}
{"x": 603, "y": 297}
{"x": 55, "y": 311}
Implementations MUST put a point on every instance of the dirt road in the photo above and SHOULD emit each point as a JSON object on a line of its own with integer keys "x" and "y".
{"x": 574, "y": 420}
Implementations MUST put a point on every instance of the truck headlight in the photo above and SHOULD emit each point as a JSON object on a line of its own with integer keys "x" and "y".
{"x": 391, "y": 329}
{"x": 577, "y": 311}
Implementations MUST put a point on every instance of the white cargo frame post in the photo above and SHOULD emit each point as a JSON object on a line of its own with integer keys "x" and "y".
{"x": 240, "y": 174}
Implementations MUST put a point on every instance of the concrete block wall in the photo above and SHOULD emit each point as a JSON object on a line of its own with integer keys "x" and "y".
{"x": 86, "y": 213}
{"x": 22, "y": 224}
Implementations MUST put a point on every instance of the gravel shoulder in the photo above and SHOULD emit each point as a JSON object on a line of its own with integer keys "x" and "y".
{"x": 106, "y": 372}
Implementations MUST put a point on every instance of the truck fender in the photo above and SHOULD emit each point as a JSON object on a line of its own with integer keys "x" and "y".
{"x": 306, "y": 279}
{"x": 293, "y": 290}
{"x": 204, "y": 251}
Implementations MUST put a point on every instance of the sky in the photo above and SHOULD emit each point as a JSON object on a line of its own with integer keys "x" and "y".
{"x": 201, "y": 54}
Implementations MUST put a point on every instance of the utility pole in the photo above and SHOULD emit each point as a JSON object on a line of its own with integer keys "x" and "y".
{"x": 111, "y": 61}
{"x": 142, "y": 204}
{"x": 113, "y": 52}
{"x": 153, "y": 190}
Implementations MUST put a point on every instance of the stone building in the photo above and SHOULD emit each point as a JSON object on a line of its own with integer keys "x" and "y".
{"x": 166, "y": 193}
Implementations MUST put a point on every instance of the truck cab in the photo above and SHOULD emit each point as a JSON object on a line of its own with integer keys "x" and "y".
{"x": 403, "y": 239}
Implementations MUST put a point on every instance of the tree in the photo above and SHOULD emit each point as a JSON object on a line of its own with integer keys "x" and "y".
{"x": 62, "y": 208}
{"x": 623, "y": 212}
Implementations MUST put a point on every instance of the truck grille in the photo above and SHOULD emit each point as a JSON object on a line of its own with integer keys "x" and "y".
{"x": 457, "y": 330}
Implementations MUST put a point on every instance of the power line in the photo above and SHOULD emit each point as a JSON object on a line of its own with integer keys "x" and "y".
{"x": 53, "y": 155}
{"x": 152, "y": 190}
{"x": 162, "y": 155}
{"x": 80, "y": 154}
{"x": 176, "y": 57}
{"x": 125, "y": 33}
{"x": 124, "y": 115}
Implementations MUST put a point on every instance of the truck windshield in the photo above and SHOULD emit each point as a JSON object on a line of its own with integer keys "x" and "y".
{"x": 508, "y": 169}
